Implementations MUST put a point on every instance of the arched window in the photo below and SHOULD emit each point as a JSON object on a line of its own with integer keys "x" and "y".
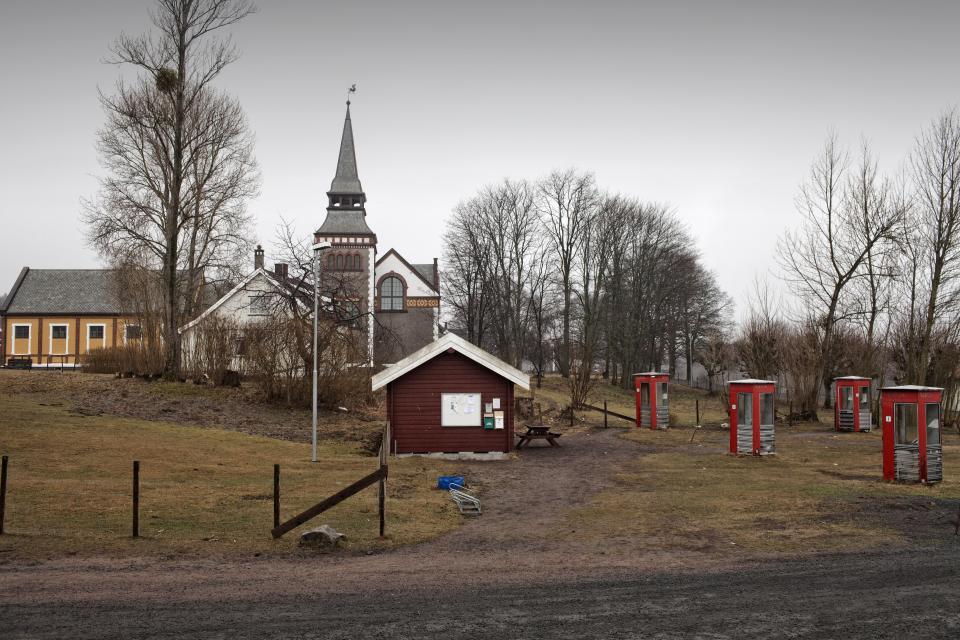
{"x": 356, "y": 263}
{"x": 391, "y": 294}
{"x": 331, "y": 262}
{"x": 340, "y": 262}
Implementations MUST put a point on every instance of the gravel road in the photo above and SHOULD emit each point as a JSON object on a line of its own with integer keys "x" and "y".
{"x": 912, "y": 595}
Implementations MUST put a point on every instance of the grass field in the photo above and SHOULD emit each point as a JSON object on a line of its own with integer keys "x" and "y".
{"x": 554, "y": 394}
{"x": 202, "y": 490}
{"x": 822, "y": 492}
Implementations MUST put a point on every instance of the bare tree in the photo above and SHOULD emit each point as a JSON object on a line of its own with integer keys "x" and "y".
{"x": 566, "y": 200}
{"x": 846, "y": 222}
{"x": 179, "y": 158}
{"x": 936, "y": 168}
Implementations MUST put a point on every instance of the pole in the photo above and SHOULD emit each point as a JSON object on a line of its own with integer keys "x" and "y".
{"x": 381, "y": 499}
{"x": 604, "y": 414}
{"x": 316, "y": 308}
{"x": 698, "y": 412}
{"x": 276, "y": 496}
{"x": 136, "y": 498}
{"x": 3, "y": 490}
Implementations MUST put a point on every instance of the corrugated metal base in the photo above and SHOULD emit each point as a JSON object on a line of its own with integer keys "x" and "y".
{"x": 906, "y": 462}
{"x": 461, "y": 455}
{"x": 934, "y": 464}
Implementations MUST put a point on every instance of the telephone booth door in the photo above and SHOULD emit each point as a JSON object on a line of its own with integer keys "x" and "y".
{"x": 645, "y": 404}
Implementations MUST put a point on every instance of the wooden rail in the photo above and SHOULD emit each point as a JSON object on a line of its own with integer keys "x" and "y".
{"x": 612, "y": 413}
{"x": 335, "y": 499}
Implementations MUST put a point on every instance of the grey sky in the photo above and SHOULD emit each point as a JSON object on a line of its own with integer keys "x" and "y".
{"x": 714, "y": 107}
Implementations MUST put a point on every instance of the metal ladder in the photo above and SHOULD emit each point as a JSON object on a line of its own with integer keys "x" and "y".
{"x": 466, "y": 503}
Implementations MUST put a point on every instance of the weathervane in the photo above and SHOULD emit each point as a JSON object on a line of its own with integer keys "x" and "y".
{"x": 352, "y": 89}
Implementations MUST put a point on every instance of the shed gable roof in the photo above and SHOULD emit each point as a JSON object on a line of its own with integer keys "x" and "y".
{"x": 67, "y": 291}
{"x": 461, "y": 346}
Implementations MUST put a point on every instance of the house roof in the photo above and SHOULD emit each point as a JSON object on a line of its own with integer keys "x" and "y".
{"x": 653, "y": 373}
{"x": 423, "y": 271}
{"x": 851, "y": 378}
{"x": 67, "y": 291}
{"x": 752, "y": 381}
{"x": 911, "y": 387}
{"x": 461, "y": 346}
{"x": 290, "y": 287}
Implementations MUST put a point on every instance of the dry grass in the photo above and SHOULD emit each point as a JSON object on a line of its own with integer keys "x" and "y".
{"x": 202, "y": 490}
{"x": 554, "y": 395}
{"x": 821, "y": 492}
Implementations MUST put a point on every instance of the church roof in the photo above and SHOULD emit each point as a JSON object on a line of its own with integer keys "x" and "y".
{"x": 346, "y": 221}
{"x": 346, "y": 179}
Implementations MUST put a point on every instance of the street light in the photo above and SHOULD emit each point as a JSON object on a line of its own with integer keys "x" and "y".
{"x": 317, "y": 248}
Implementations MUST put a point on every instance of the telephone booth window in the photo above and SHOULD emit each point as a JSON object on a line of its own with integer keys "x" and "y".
{"x": 933, "y": 424}
{"x": 745, "y": 409}
{"x": 645, "y": 393}
{"x": 846, "y": 399}
{"x": 864, "y": 398}
{"x": 661, "y": 392}
{"x": 766, "y": 408}
{"x": 905, "y": 423}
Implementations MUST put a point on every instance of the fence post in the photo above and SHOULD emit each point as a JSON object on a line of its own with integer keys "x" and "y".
{"x": 571, "y": 414}
{"x": 136, "y": 498}
{"x": 3, "y": 490}
{"x": 276, "y": 496}
{"x": 604, "y": 414}
{"x": 698, "y": 411}
{"x": 381, "y": 499}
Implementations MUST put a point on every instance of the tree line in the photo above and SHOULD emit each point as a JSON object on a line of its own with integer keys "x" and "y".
{"x": 555, "y": 272}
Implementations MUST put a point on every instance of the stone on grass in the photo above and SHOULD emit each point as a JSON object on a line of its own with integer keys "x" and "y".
{"x": 322, "y": 536}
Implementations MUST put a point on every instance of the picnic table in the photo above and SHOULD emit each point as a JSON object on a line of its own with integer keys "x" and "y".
{"x": 537, "y": 431}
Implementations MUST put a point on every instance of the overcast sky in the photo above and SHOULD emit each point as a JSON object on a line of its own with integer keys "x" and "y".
{"x": 716, "y": 108}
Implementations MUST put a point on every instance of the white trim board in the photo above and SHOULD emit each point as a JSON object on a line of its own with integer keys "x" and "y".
{"x": 66, "y": 339}
{"x": 461, "y": 346}
{"x": 13, "y": 338}
{"x": 104, "y": 338}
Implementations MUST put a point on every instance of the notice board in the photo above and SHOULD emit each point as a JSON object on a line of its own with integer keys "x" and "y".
{"x": 460, "y": 410}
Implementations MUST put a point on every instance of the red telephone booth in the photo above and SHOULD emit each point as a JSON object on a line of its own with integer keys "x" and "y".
{"x": 910, "y": 420}
{"x": 752, "y": 411}
{"x": 653, "y": 399}
{"x": 851, "y": 406}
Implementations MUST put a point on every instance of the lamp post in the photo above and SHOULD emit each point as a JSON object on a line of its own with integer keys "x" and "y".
{"x": 317, "y": 248}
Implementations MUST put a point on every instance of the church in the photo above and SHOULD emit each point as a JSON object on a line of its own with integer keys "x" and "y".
{"x": 397, "y": 300}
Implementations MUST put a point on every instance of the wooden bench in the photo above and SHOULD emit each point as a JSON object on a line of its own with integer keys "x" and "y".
{"x": 535, "y": 432}
{"x": 19, "y": 362}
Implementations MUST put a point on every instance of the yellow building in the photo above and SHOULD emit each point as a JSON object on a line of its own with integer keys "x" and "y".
{"x": 51, "y": 316}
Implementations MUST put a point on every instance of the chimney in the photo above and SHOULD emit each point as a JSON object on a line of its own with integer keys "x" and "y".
{"x": 258, "y": 257}
{"x": 436, "y": 275}
{"x": 280, "y": 270}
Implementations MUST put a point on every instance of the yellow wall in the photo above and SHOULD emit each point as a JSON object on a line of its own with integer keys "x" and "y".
{"x": 44, "y": 349}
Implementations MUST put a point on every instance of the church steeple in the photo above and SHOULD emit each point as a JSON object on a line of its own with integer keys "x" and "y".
{"x": 345, "y": 190}
{"x": 346, "y": 206}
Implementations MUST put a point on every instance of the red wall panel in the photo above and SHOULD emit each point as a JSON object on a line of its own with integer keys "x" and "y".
{"x": 413, "y": 407}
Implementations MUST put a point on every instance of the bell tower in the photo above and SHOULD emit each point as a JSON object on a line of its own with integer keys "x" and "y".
{"x": 348, "y": 266}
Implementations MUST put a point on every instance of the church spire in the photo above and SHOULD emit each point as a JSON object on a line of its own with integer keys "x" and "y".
{"x": 346, "y": 181}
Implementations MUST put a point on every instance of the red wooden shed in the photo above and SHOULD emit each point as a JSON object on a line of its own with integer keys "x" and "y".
{"x": 450, "y": 397}
{"x": 910, "y": 417}
{"x": 752, "y": 412}
{"x": 653, "y": 399}
{"x": 851, "y": 406}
